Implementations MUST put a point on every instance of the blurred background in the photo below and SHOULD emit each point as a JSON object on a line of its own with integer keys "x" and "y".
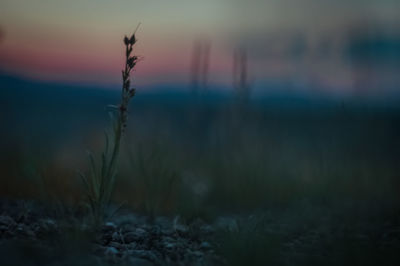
{"x": 240, "y": 105}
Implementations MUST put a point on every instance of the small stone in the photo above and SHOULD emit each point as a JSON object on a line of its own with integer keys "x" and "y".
{"x": 179, "y": 227}
{"x": 138, "y": 235}
{"x": 197, "y": 253}
{"x": 132, "y": 245}
{"x": 182, "y": 229}
{"x": 109, "y": 226}
{"x": 111, "y": 251}
{"x": 128, "y": 228}
{"x": 115, "y": 245}
{"x": 50, "y": 223}
{"x": 141, "y": 233}
{"x": 168, "y": 231}
{"x": 168, "y": 239}
{"x": 130, "y": 237}
{"x": 116, "y": 237}
{"x": 7, "y": 221}
{"x": 156, "y": 230}
{"x": 170, "y": 246}
{"x": 25, "y": 231}
{"x": 106, "y": 238}
{"x": 45, "y": 227}
{"x": 205, "y": 245}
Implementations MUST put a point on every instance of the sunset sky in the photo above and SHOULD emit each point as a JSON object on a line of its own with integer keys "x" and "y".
{"x": 81, "y": 41}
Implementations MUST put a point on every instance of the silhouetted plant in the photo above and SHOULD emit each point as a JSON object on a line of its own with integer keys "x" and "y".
{"x": 99, "y": 184}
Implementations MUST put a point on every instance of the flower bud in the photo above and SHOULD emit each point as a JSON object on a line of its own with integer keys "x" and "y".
{"x": 132, "y": 92}
{"x": 132, "y": 40}
{"x": 126, "y": 40}
{"x": 132, "y": 61}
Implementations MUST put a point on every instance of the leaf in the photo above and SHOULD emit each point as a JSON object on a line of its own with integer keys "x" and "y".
{"x": 84, "y": 180}
{"x": 113, "y": 121}
{"x": 95, "y": 181}
{"x": 104, "y": 157}
{"x": 112, "y": 106}
{"x": 113, "y": 212}
{"x": 107, "y": 143}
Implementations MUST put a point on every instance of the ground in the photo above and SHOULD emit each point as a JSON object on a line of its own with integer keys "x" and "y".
{"x": 33, "y": 233}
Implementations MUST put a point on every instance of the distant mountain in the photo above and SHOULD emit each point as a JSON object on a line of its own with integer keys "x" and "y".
{"x": 17, "y": 92}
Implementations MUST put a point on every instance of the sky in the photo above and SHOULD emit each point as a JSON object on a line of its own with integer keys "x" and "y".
{"x": 81, "y": 41}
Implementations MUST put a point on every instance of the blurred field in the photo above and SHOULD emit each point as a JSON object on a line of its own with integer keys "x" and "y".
{"x": 201, "y": 156}
{"x": 261, "y": 133}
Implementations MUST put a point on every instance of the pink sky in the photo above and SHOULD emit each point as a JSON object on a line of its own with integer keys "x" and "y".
{"x": 81, "y": 42}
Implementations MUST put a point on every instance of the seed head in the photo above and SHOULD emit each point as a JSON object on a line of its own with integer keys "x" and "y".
{"x": 126, "y": 40}
{"x": 132, "y": 40}
{"x": 132, "y": 92}
{"x": 132, "y": 61}
{"x": 127, "y": 84}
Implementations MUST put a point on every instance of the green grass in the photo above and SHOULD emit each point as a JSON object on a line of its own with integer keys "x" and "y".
{"x": 206, "y": 163}
{"x": 315, "y": 182}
